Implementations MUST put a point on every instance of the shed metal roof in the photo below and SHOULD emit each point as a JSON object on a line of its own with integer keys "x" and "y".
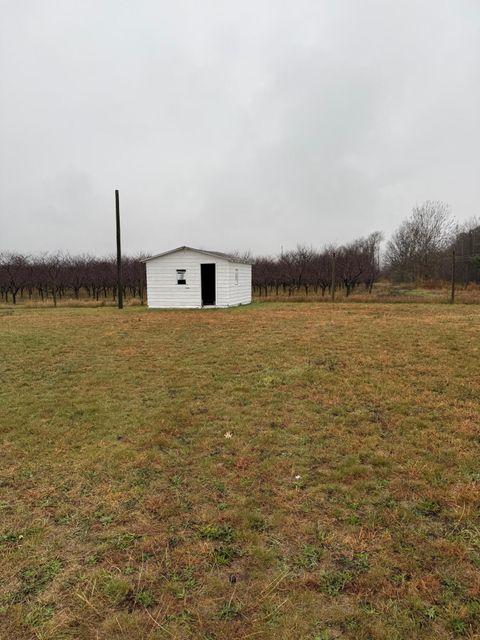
{"x": 215, "y": 254}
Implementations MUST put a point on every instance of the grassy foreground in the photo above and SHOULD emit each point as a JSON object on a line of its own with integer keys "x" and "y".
{"x": 287, "y": 471}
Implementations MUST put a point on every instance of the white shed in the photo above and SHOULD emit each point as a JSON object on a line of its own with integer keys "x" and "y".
{"x": 186, "y": 278}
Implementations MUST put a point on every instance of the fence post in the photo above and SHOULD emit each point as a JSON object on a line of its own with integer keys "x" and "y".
{"x": 333, "y": 277}
{"x": 119, "y": 252}
{"x": 452, "y": 295}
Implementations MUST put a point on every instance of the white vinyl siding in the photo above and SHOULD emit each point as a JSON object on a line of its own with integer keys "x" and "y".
{"x": 163, "y": 290}
{"x": 241, "y": 291}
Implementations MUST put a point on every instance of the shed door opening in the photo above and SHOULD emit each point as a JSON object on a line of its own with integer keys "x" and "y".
{"x": 208, "y": 284}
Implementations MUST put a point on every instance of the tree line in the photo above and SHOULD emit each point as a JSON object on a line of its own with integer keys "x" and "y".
{"x": 305, "y": 268}
{"x": 58, "y": 275}
{"x": 422, "y": 249}
{"x": 427, "y": 247}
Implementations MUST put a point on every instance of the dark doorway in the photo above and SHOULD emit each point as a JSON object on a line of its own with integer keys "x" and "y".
{"x": 208, "y": 284}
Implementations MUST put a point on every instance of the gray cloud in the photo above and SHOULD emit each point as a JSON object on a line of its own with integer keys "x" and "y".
{"x": 233, "y": 125}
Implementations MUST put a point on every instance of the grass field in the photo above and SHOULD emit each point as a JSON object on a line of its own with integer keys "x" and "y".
{"x": 288, "y": 471}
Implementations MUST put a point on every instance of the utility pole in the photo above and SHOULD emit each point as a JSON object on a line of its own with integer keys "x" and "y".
{"x": 119, "y": 253}
{"x": 333, "y": 277}
{"x": 452, "y": 295}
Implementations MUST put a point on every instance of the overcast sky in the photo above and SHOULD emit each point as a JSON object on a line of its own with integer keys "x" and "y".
{"x": 230, "y": 124}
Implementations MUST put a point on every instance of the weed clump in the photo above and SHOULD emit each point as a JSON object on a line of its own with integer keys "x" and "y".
{"x": 36, "y": 578}
{"x": 224, "y": 555}
{"x": 428, "y": 508}
{"x": 144, "y": 598}
{"x": 220, "y": 533}
{"x": 229, "y": 611}
{"x": 334, "y": 582}
{"x": 113, "y": 588}
{"x": 309, "y": 557}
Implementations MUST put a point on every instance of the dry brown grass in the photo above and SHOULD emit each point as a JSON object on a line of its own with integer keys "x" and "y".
{"x": 436, "y": 292}
{"x": 344, "y": 504}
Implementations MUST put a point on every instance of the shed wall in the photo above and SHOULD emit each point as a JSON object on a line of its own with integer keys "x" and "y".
{"x": 164, "y": 292}
{"x": 241, "y": 292}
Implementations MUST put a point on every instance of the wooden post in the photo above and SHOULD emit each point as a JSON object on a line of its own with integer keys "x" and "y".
{"x": 119, "y": 253}
{"x": 333, "y": 277}
{"x": 452, "y": 295}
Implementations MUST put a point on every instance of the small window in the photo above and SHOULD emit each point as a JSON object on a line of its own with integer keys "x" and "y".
{"x": 236, "y": 276}
{"x": 181, "y": 276}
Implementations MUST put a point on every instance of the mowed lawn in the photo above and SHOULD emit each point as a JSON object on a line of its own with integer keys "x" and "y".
{"x": 288, "y": 471}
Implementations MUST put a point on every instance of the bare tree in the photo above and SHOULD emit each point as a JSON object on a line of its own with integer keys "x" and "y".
{"x": 372, "y": 268}
{"x": 321, "y": 270}
{"x": 13, "y": 274}
{"x": 351, "y": 264}
{"x": 415, "y": 249}
{"x": 54, "y": 270}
